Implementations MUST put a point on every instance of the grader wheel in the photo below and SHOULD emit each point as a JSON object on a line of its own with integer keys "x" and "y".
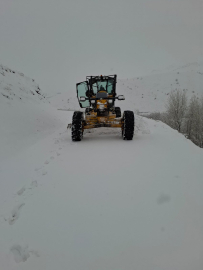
{"x": 77, "y": 126}
{"x": 128, "y": 125}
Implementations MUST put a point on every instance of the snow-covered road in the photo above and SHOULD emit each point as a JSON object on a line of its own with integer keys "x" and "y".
{"x": 103, "y": 203}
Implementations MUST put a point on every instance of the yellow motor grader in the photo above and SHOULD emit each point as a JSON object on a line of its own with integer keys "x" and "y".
{"x": 97, "y": 95}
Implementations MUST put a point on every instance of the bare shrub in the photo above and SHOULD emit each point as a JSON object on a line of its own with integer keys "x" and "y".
{"x": 176, "y": 108}
{"x": 194, "y": 121}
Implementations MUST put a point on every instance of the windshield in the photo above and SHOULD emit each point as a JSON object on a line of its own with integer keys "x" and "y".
{"x": 104, "y": 85}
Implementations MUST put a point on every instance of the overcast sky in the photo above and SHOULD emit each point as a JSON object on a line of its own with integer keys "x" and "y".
{"x": 59, "y": 42}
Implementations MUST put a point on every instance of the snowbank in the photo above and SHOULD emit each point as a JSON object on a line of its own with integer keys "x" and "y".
{"x": 25, "y": 114}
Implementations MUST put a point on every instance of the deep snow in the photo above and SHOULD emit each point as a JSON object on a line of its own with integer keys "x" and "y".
{"x": 25, "y": 113}
{"x": 102, "y": 203}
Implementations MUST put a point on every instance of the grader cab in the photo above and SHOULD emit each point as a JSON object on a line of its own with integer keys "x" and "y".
{"x": 97, "y": 95}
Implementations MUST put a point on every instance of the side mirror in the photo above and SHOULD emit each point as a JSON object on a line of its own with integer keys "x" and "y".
{"x": 82, "y": 99}
{"x": 121, "y": 97}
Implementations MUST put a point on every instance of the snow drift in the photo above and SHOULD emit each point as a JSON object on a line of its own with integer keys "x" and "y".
{"x": 25, "y": 113}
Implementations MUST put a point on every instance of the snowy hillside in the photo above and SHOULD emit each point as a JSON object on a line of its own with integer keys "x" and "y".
{"x": 15, "y": 85}
{"x": 25, "y": 113}
{"x": 148, "y": 93}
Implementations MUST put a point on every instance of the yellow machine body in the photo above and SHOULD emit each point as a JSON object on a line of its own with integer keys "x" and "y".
{"x": 92, "y": 120}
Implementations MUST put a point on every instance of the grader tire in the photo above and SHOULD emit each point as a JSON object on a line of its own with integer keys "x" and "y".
{"x": 77, "y": 126}
{"x": 128, "y": 125}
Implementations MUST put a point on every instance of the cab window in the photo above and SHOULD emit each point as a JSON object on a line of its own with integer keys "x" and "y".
{"x": 82, "y": 89}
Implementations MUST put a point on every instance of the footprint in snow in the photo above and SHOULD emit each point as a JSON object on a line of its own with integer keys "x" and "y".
{"x": 20, "y": 192}
{"x": 52, "y": 157}
{"x": 34, "y": 183}
{"x": 58, "y": 154}
{"x": 21, "y": 254}
{"x": 46, "y": 162}
{"x": 37, "y": 169}
{"x": 44, "y": 173}
{"x": 15, "y": 214}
